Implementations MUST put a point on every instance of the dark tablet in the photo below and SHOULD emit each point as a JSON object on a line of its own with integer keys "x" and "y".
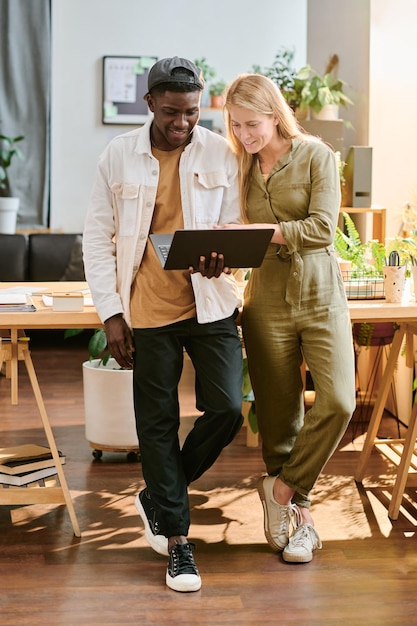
{"x": 244, "y": 247}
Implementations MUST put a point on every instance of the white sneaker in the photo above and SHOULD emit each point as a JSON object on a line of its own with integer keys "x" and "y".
{"x": 155, "y": 538}
{"x": 301, "y": 545}
{"x": 182, "y": 573}
{"x": 277, "y": 518}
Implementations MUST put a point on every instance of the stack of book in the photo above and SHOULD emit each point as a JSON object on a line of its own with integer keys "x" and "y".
{"x": 11, "y": 302}
{"x": 26, "y": 464}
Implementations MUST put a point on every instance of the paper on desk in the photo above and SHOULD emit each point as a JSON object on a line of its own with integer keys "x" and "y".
{"x": 13, "y": 298}
{"x": 22, "y": 289}
{"x": 48, "y": 301}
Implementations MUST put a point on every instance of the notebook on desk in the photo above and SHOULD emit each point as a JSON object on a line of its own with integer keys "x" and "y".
{"x": 240, "y": 247}
{"x": 15, "y": 302}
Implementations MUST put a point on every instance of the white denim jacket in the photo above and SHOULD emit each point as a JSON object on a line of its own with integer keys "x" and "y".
{"x": 120, "y": 212}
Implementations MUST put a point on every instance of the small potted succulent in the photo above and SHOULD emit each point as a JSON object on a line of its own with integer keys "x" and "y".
{"x": 216, "y": 91}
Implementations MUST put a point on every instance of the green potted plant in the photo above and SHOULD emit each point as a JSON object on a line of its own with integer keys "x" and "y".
{"x": 9, "y": 205}
{"x": 216, "y": 91}
{"x": 324, "y": 93}
{"x": 290, "y": 81}
{"x": 364, "y": 279}
{"x": 108, "y": 399}
{"x": 208, "y": 74}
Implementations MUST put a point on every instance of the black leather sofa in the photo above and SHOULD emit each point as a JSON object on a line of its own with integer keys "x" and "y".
{"x": 41, "y": 257}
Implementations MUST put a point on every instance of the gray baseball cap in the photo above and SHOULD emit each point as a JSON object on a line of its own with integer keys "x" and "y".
{"x": 169, "y": 71}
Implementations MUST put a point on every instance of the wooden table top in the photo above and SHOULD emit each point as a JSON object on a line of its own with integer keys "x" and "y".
{"x": 44, "y": 317}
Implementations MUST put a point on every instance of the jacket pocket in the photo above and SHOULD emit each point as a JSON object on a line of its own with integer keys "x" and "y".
{"x": 209, "y": 191}
{"x": 126, "y": 198}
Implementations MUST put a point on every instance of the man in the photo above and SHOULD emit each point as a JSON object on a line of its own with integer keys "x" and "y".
{"x": 169, "y": 174}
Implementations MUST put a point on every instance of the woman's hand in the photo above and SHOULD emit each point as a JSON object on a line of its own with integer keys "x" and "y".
{"x": 277, "y": 237}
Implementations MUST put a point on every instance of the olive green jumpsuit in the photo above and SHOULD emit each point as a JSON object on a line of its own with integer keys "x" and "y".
{"x": 295, "y": 307}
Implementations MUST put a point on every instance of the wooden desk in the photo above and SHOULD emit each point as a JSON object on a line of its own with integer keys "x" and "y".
{"x": 15, "y": 348}
{"x": 406, "y": 316}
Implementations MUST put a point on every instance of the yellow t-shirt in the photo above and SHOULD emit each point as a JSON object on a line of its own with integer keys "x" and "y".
{"x": 160, "y": 297}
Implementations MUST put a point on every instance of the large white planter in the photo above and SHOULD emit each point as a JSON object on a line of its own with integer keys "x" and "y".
{"x": 109, "y": 416}
{"x": 8, "y": 215}
{"x": 328, "y": 112}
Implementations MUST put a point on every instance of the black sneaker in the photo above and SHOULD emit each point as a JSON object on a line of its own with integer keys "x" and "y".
{"x": 153, "y": 534}
{"x": 182, "y": 573}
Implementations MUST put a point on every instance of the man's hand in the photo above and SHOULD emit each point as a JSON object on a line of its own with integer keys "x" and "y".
{"x": 215, "y": 267}
{"x": 119, "y": 341}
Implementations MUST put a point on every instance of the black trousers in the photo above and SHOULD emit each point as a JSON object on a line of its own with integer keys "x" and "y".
{"x": 216, "y": 354}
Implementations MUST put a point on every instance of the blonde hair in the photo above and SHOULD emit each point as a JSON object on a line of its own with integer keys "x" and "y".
{"x": 261, "y": 95}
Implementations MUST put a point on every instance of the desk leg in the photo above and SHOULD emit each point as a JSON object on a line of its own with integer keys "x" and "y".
{"x": 402, "y": 473}
{"x": 51, "y": 441}
{"x": 380, "y": 403}
{"x": 14, "y": 357}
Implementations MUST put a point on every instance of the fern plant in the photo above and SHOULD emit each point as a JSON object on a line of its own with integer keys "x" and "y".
{"x": 350, "y": 247}
{"x": 369, "y": 258}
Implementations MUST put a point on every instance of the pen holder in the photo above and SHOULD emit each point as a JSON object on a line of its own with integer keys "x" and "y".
{"x": 394, "y": 278}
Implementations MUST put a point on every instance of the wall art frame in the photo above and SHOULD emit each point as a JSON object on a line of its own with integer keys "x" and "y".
{"x": 125, "y": 81}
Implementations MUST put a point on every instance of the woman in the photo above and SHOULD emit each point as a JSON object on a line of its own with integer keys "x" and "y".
{"x": 295, "y": 306}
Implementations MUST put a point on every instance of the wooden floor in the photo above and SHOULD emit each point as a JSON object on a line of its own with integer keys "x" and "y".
{"x": 366, "y": 572}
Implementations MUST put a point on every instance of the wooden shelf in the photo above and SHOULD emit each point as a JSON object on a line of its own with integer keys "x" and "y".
{"x": 378, "y": 214}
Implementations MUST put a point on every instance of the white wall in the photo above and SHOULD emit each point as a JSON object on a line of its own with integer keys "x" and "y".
{"x": 343, "y": 28}
{"x": 393, "y": 128}
{"x": 233, "y": 35}
{"x": 392, "y": 111}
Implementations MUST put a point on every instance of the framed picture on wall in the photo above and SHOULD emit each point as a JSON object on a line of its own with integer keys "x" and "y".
{"x": 125, "y": 82}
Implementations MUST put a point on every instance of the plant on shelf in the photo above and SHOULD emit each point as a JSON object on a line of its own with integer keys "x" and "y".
{"x": 216, "y": 91}
{"x": 217, "y": 88}
{"x": 319, "y": 90}
{"x": 208, "y": 74}
{"x": 349, "y": 247}
{"x": 368, "y": 259}
{"x": 207, "y": 70}
{"x": 290, "y": 81}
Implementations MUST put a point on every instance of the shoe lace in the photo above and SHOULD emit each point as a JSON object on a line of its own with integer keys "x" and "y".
{"x": 182, "y": 557}
{"x": 287, "y": 514}
{"x": 296, "y": 516}
{"x": 303, "y": 533}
